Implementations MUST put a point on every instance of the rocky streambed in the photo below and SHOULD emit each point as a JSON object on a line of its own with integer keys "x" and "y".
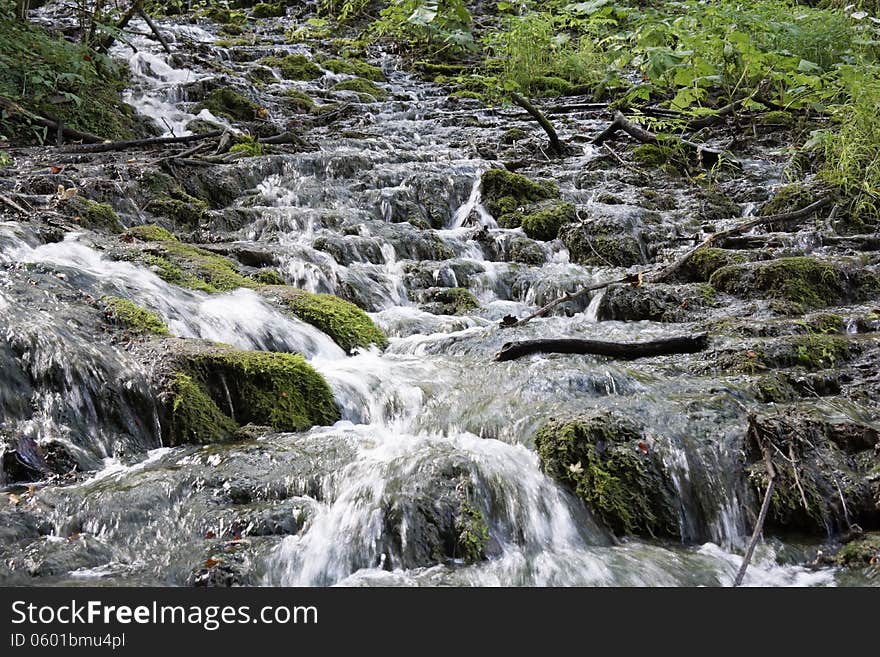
{"x": 267, "y": 358}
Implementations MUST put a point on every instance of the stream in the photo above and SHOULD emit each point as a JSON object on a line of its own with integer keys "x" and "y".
{"x": 430, "y": 416}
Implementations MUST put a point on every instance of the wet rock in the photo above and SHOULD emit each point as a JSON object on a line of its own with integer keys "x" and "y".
{"x": 861, "y": 552}
{"x": 349, "y": 249}
{"x": 504, "y": 193}
{"x": 132, "y": 317}
{"x": 53, "y": 555}
{"x": 541, "y": 221}
{"x": 92, "y": 215}
{"x": 228, "y": 103}
{"x": 608, "y": 237}
{"x": 209, "y": 384}
{"x": 705, "y": 262}
{"x": 449, "y": 301}
{"x": 435, "y": 519}
{"x": 366, "y": 90}
{"x": 355, "y": 68}
{"x": 825, "y": 472}
{"x": 658, "y": 303}
{"x": 606, "y": 461}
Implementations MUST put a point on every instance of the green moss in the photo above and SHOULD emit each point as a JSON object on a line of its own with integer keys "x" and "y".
{"x": 544, "y": 224}
{"x": 272, "y": 389}
{"x": 354, "y": 67}
{"x": 149, "y": 233}
{"x": 826, "y": 323}
{"x": 787, "y": 199}
{"x": 133, "y": 317}
{"x": 705, "y": 262}
{"x": 603, "y": 459}
{"x": 808, "y": 282}
{"x": 187, "y": 265}
{"x": 93, "y": 215}
{"x": 294, "y": 67}
{"x": 248, "y": 147}
{"x": 505, "y": 192}
{"x": 599, "y": 244}
{"x": 863, "y": 551}
{"x": 348, "y": 326}
{"x": 186, "y": 213}
{"x": 454, "y": 300}
{"x": 266, "y": 10}
{"x": 229, "y": 103}
{"x": 299, "y": 100}
{"x": 820, "y": 351}
{"x": 652, "y": 155}
{"x": 473, "y": 534}
{"x": 549, "y": 86}
{"x": 194, "y": 417}
{"x": 361, "y": 86}
{"x": 268, "y": 277}
{"x": 513, "y": 135}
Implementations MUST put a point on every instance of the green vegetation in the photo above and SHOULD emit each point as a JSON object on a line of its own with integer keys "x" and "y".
{"x": 862, "y": 552}
{"x": 267, "y": 10}
{"x": 300, "y": 100}
{"x": 132, "y": 317}
{"x": 604, "y": 459}
{"x": 49, "y": 75}
{"x": 504, "y": 193}
{"x": 195, "y": 418}
{"x": 354, "y": 67}
{"x": 248, "y": 147}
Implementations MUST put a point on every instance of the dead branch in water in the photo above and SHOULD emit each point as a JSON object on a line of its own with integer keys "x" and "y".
{"x": 555, "y": 144}
{"x": 755, "y": 433}
{"x": 155, "y": 30}
{"x": 623, "y": 350}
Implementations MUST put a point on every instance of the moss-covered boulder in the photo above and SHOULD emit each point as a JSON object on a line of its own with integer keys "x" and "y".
{"x": 363, "y": 87}
{"x": 214, "y": 387}
{"x": 299, "y": 101}
{"x": 825, "y": 472}
{"x": 294, "y": 67}
{"x": 93, "y": 215}
{"x": 132, "y": 317}
{"x": 605, "y": 460}
{"x": 505, "y": 193}
{"x": 657, "y": 302}
{"x": 806, "y": 282}
{"x": 268, "y": 10}
{"x": 700, "y": 266}
{"x": 184, "y": 264}
{"x": 540, "y": 221}
{"x": 229, "y": 104}
{"x": 601, "y": 243}
{"x": 164, "y": 197}
{"x": 348, "y": 326}
{"x": 862, "y": 552}
{"x": 354, "y": 67}
{"x": 449, "y": 301}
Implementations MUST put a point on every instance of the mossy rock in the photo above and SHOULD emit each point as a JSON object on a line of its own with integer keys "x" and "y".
{"x": 230, "y": 104}
{"x": 603, "y": 458}
{"x": 194, "y": 417}
{"x": 184, "y": 264}
{"x": 181, "y": 208}
{"x": 505, "y": 193}
{"x": 600, "y": 243}
{"x": 132, "y": 317}
{"x": 705, "y": 262}
{"x": 862, "y": 552}
{"x": 268, "y": 277}
{"x": 93, "y": 215}
{"x": 513, "y": 135}
{"x": 247, "y": 147}
{"x": 789, "y": 198}
{"x": 653, "y": 156}
{"x": 267, "y": 10}
{"x": 656, "y": 303}
{"x": 278, "y": 390}
{"x": 363, "y": 87}
{"x": 804, "y": 281}
{"x": 294, "y": 67}
{"x": 450, "y": 301}
{"x": 549, "y": 86}
{"x": 544, "y": 224}
{"x": 348, "y": 326}
{"x": 354, "y": 67}
{"x": 299, "y": 100}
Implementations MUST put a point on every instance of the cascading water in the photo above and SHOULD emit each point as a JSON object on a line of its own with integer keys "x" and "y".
{"x": 427, "y": 424}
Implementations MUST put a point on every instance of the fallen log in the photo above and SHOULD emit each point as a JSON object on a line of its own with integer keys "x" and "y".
{"x": 14, "y": 108}
{"x": 155, "y": 30}
{"x": 706, "y": 157}
{"x": 555, "y": 145}
{"x": 125, "y": 145}
{"x": 622, "y": 350}
{"x": 108, "y": 40}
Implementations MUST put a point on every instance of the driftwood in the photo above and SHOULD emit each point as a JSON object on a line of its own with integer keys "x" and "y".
{"x": 707, "y": 157}
{"x": 658, "y": 276}
{"x": 555, "y": 144}
{"x": 155, "y": 30}
{"x": 755, "y": 433}
{"x": 125, "y": 145}
{"x": 621, "y": 350}
{"x": 14, "y": 108}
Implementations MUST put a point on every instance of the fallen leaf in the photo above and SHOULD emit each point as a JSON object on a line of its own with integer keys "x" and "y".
{"x": 14, "y": 499}
{"x": 576, "y": 468}
{"x": 751, "y": 354}
{"x": 66, "y": 194}
{"x": 210, "y": 534}
{"x": 56, "y": 169}
{"x": 262, "y": 113}
{"x": 643, "y": 446}
{"x": 210, "y": 563}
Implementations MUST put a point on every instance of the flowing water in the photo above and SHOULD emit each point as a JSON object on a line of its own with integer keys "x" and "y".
{"x": 431, "y": 413}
